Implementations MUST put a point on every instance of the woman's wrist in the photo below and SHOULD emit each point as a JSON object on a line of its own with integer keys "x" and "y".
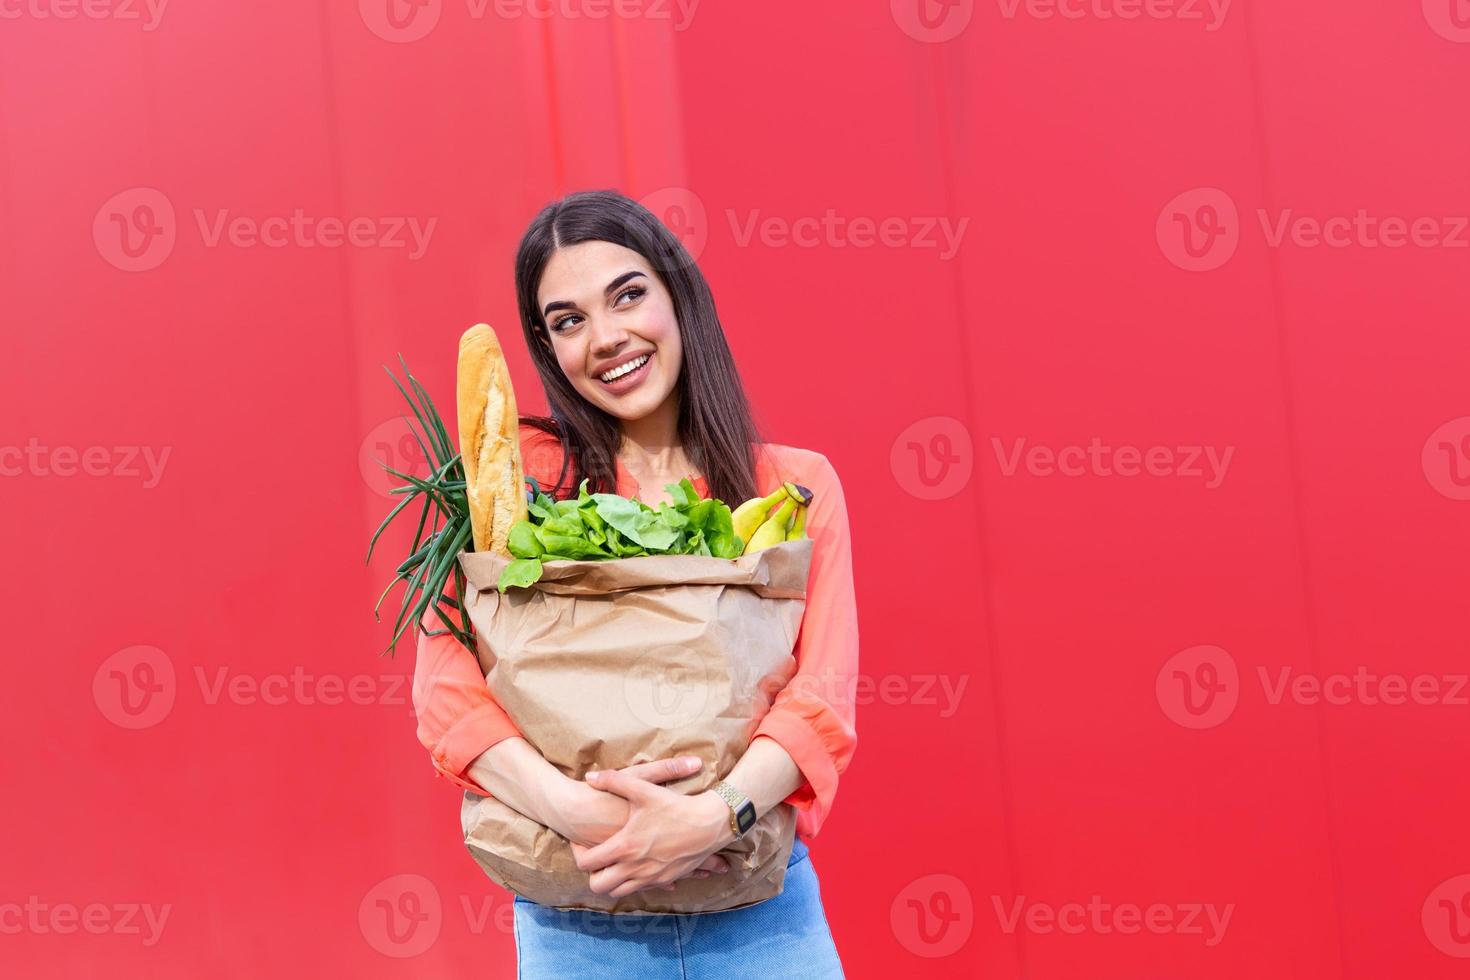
{"x": 713, "y": 814}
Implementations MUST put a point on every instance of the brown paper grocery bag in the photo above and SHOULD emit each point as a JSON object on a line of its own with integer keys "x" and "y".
{"x": 603, "y": 664}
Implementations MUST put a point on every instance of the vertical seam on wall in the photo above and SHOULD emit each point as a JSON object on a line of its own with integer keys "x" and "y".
{"x": 1293, "y": 454}
{"x": 982, "y": 552}
{"x": 331, "y": 133}
{"x": 620, "y": 74}
{"x": 558, "y": 164}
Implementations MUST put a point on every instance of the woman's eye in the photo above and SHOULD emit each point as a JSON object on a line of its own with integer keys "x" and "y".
{"x": 558, "y": 324}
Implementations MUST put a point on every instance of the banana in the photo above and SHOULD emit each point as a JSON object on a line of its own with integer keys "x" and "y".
{"x": 773, "y": 531}
{"x": 802, "y": 494}
{"x": 752, "y": 514}
{"x": 798, "y": 526}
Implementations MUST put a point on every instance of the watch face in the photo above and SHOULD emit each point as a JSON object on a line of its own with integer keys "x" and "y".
{"x": 745, "y": 817}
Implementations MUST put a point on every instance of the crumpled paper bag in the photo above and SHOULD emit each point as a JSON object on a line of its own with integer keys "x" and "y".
{"x": 603, "y": 664}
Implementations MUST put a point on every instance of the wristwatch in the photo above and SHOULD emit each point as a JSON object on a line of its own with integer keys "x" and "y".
{"x": 742, "y": 811}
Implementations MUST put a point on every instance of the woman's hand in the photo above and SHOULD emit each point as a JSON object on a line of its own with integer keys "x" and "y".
{"x": 667, "y": 836}
{"x": 587, "y": 816}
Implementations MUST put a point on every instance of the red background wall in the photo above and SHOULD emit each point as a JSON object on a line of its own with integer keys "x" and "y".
{"x": 196, "y": 719}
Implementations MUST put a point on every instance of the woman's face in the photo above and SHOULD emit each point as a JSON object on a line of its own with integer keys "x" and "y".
{"x": 605, "y": 307}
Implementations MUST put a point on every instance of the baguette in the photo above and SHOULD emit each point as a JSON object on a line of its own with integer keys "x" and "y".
{"x": 489, "y": 440}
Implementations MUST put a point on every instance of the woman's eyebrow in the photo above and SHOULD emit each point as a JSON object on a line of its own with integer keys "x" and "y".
{"x": 611, "y": 288}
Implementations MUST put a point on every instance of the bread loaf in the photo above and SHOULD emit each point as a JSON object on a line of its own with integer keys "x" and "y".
{"x": 489, "y": 440}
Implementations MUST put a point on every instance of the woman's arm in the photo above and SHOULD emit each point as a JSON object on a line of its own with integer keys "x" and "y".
{"x": 813, "y": 716}
{"x": 474, "y": 744}
{"x": 800, "y": 747}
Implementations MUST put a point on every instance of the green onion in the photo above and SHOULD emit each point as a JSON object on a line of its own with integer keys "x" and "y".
{"x": 431, "y": 559}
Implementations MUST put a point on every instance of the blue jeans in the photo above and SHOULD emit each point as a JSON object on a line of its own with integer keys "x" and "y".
{"x": 782, "y": 936}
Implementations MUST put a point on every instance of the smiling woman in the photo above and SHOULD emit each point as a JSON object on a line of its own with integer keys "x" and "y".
{"x": 643, "y": 392}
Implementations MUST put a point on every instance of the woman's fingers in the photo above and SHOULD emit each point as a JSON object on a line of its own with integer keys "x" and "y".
{"x": 714, "y": 863}
{"x": 663, "y": 770}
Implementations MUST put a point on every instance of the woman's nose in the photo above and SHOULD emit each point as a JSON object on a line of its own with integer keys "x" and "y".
{"x": 607, "y": 337}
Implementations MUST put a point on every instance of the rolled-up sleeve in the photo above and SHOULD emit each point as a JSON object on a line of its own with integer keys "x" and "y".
{"x": 813, "y": 716}
{"x": 457, "y": 717}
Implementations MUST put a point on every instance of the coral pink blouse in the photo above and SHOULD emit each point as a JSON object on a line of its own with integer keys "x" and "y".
{"x": 812, "y": 718}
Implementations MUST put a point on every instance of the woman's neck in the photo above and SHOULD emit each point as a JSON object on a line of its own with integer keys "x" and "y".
{"x": 652, "y": 445}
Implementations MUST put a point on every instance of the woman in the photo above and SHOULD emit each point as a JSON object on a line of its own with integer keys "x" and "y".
{"x": 643, "y": 392}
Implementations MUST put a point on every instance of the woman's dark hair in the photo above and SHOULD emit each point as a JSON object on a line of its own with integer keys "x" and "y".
{"x": 715, "y": 423}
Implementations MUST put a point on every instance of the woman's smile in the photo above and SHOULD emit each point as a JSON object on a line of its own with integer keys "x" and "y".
{"x": 628, "y": 380}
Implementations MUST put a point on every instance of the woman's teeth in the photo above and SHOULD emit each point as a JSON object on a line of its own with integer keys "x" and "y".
{"x": 618, "y": 372}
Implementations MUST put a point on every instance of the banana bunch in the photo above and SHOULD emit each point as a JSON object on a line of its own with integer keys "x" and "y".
{"x": 758, "y": 528}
